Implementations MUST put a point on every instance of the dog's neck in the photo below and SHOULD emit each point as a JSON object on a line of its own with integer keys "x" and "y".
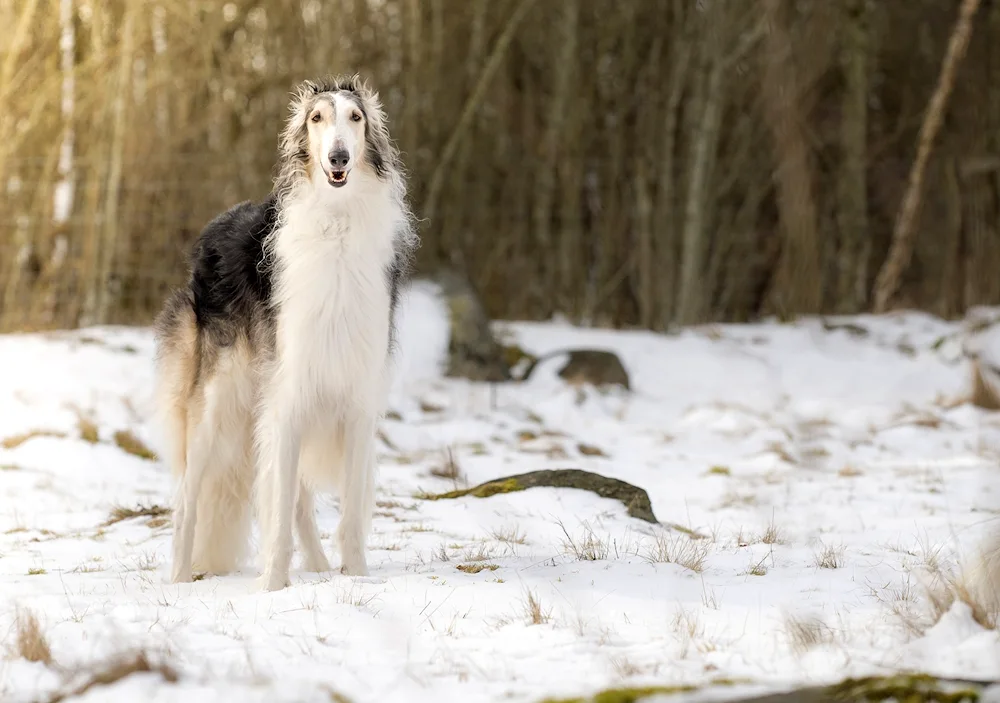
{"x": 361, "y": 217}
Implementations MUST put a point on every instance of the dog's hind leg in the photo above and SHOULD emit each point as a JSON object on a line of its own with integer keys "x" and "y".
{"x": 357, "y": 494}
{"x": 201, "y": 437}
{"x": 305, "y": 521}
{"x": 223, "y": 509}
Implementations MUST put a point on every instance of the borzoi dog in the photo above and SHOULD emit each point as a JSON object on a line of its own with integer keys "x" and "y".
{"x": 274, "y": 362}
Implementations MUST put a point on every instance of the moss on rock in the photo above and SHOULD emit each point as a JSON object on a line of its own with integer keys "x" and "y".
{"x": 626, "y": 695}
{"x": 635, "y": 499}
{"x": 900, "y": 688}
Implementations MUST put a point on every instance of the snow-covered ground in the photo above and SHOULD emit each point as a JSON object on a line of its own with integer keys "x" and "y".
{"x": 807, "y": 479}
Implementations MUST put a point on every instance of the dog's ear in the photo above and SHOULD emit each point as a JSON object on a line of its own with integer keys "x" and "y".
{"x": 292, "y": 144}
{"x": 380, "y": 152}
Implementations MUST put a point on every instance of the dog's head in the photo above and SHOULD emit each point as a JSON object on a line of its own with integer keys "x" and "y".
{"x": 336, "y": 127}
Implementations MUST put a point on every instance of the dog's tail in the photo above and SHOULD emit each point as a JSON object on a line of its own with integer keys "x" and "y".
{"x": 176, "y": 373}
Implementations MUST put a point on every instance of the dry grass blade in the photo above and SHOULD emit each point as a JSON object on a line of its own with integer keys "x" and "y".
{"x": 449, "y": 468}
{"x": 88, "y": 430}
{"x": 29, "y": 640}
{"x": 772, "y": 534}
{"x": 477, "y": 567}
{"x": 115, "y": 671}
{"x": 946, "y": 591}
{"x": 129, "y": 443}
{"x": 806, "y": 633}
{"x": 830, "y": 557}
{"x": 509, "y": 535}
{"x": 682, "y": 550}
{"x": 588, "y": 548}
{"x": 17, "y": 440}
{"x": 120, "y": 513}
{"x": 534, "y": 611}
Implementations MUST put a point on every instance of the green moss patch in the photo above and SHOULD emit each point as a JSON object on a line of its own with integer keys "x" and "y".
{"x": 901, "y": 688}
{"x": 635, "y": 499}
{"x": 626, "y": 695}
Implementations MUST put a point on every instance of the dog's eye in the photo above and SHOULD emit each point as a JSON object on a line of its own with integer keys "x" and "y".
{"x": 356, "y": 116}
{"x": 317, "y": 117}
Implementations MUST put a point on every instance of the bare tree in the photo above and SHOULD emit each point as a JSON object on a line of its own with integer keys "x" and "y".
{"x": 636, "y": 163}
{"x": 902, "y": 237}
{"x": 852, "y": 178}
{"x": 795, "y": 285}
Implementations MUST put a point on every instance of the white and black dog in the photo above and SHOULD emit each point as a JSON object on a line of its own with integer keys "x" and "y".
{"x": 274, "y": 362}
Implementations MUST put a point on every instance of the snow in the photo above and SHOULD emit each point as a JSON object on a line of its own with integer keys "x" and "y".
{"x": 780, "y": 445}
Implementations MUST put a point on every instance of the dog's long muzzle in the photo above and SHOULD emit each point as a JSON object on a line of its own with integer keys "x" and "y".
{"x": 336, "y": 174}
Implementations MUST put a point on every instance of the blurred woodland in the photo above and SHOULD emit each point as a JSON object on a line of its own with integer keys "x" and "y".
{"x": 623, "y": 162}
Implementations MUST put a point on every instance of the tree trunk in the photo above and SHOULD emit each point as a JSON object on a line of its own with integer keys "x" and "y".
{"x": 109, "y": 243}
{"x": 691, "y": 302}
{"x": 901, "y": 249}
{"x": 545, "y": 170}
{"x": 796, "y": 285}
{"x": 852, "y": 183}
{"x": 665, "y": 211}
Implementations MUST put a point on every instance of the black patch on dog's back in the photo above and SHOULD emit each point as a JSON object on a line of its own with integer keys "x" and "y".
{"x": 231, "y": 279}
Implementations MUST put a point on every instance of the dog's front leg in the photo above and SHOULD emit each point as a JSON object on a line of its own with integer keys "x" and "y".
{"x": 357, "y": 495}
{"x": 278, "y": 484}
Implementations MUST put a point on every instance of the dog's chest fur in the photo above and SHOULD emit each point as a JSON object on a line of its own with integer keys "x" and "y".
{"x": 333, "y": 300}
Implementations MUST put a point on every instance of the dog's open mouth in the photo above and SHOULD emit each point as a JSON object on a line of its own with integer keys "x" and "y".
{"x": 337, "y": 178}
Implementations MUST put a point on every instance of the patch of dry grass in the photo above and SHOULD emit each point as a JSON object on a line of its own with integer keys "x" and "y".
{"x": 476, "y": 567}
{"x": 693, "y": 534}
{"x": 480, "y": 551}
{"x": 830, "y": 556}
{"x": 509, "y": 535}
{"x": 772, "y": 533}
{"x": 87, "y": 429}
{"x": 625, "y": 668}
{"x": 781, "y": 451}
{"x": 682, "y": 550}
{"x": 120, "y": 513}
{"x": 942, "y": 590}
{"x": 946, "y": 590}
{"x": 758, "y": 568}
{"x": 130, "y": 444}
{"x": 115, "y": 670}
{"x": 587, "y": 547}
{"x": 17, "y": 440}
{"x": 449, "y": 469}
{"x": 29, "y": 641}
{"x": 534, "y": 611}
{"x": 733, "y": 499}
{"x": 805, "y": 633}
{"x": 591, "y": 450}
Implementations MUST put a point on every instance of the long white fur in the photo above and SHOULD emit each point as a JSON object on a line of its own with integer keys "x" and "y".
{"x": 328, "y": 382}
{"x": 317, "y": 400}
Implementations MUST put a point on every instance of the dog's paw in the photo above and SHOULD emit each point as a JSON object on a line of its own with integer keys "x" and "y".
{"x": 181, "y": 576}
{"x": 354, "y": 568}
{"x": 274, "y": 581}
{"x": 317, "y": 564}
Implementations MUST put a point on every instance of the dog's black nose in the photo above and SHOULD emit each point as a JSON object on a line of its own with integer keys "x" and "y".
{"x": 339, "y": 158}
